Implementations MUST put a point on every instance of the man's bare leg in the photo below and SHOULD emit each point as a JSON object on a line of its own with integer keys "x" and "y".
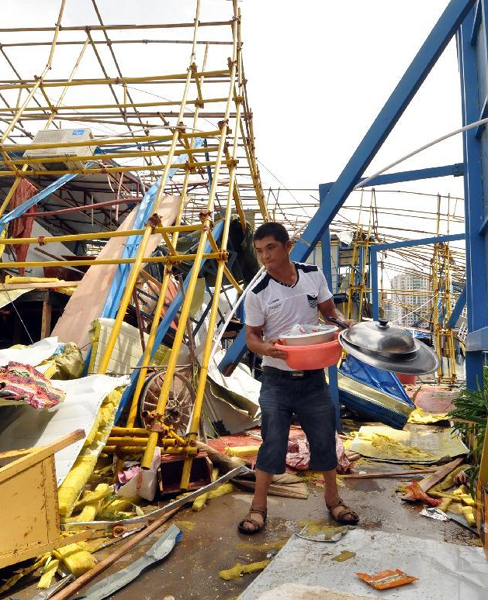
{"x": 260, "y": 498}
{"x": 332, "y": 499}
{"x": 331, "y": 491}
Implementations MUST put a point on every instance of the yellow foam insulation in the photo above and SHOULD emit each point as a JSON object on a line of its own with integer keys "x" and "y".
{"x": 12, "y": 280}
{"x": 266, "y": 547}
{"x": 225, "y": 488}
{"x": 99, "y": 493}
{"x": 79, "y": 474}
{"x": 68, "y": 364}
{"x": 239, "y": 570}
{"x": 76, "y": 559}
{"x": 422, "y": 417}
{"x": 185, "y": 525}
{"x": 115, "y": 508}
{"x": 242, "y": 451}
{"x": 202, "y": 500}
{"x": 47, "y": 575}
{"x": 395, "y": 449}
{"x": 20, "y": 573}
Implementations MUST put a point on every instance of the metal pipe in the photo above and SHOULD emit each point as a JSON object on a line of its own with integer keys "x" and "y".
{"x": 119, "y": 169}
{"x": 145, "y": 239}
{"x": 146, "y": 461}
{"x": 162, "y": 293}
{"x": 111, "y": 80}
{"x": 76, "y": 237}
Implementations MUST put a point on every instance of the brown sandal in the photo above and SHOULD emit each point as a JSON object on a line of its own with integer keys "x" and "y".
{"x": 257, "y": 527}
{"x": 345, "y": 516}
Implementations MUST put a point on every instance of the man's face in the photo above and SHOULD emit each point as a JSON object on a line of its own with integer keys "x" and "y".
{"x": 271, "y": 253}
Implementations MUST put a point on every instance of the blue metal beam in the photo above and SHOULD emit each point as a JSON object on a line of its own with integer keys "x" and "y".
{"x": 332, "y": 371}
{"x": 458, "y": 309}
{"x": 378, "y": 248}
{"x": 477, "y": 341}
{"x": 434, "y": 45}
{"x": 454, "y": 170}
{"x": 476, "y": 267}
{"x": 436, "y": 42}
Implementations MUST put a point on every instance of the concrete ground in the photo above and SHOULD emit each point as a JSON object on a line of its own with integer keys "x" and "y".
{"x": 211, "y": 541}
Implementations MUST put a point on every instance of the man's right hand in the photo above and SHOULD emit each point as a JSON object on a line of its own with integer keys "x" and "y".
{"x": 270, "y": 350}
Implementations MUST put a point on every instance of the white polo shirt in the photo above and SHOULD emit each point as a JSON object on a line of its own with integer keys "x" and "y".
{"x": 276, "y": 306}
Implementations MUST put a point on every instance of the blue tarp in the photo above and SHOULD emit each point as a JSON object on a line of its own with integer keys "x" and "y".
{"x": 144, "y": 211}
{"x": 384, "y": 381}
{"x": 396, "y": 404}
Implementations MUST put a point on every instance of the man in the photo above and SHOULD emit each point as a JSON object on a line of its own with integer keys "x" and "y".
{"x": 289, "y": 293}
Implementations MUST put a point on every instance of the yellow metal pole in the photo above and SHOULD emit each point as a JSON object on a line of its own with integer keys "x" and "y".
{"x": 103, "y": 170}
{"x": 174, "y": 78}
{"x": 76, "y": 237}
{"x": 149, "y": 230}
{"x": 146, "y": 461}
{"x": 20, "y": 110}
{"x": 37, "y": 82}
{"x": 109, "y": 261}
{"x": 162, "y": 293}
{"x": 202, "y": 380}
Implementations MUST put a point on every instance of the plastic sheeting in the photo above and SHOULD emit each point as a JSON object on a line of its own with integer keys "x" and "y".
{"x": 375, "y": 394}
{"x": 445, "y": 571}
{"x": 385, "y": 381}
{"x": 117, "y": 581}
{"x": 78, "y": 411}
{"x": 437, "y": 442}
{"x": 30, "y": 355}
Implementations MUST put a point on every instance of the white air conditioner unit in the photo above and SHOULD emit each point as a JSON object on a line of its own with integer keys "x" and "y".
{"x": 61, "y": 136}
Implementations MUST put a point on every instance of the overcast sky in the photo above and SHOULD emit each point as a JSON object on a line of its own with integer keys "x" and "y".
{"x": 319, "y": 71}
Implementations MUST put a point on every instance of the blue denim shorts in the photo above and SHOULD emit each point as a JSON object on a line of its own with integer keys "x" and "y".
{"x": 308, "y": 398}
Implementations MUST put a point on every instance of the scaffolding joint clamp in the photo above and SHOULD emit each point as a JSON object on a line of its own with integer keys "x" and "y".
{"x": 41, "y": 240}
{"x": 206, "y": 218}
{"x": 199, "y": 103}
{"x": 154, "y": 221}
{"x": 222, "y": 124}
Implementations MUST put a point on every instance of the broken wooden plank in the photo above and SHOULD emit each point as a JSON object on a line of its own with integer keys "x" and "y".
{"x": 441, "y": 473}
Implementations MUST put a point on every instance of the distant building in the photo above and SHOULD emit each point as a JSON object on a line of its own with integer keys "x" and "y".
{"x": 392, "y": 311}
{"x": 415, "y": 310}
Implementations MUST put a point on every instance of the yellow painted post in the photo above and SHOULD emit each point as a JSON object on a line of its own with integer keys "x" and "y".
{"x": 146, "y": 461}
{"x": 162, "y": 293}
{"x": 142, "y": 246}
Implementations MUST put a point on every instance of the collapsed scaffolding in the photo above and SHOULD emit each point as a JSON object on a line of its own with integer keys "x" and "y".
{"x": 204, "y": 175}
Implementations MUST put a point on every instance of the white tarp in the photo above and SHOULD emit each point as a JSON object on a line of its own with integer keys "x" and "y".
{"x": 78, "y": 411}
{"x": 31, "y": 355}
{"x": 444, "y": 571}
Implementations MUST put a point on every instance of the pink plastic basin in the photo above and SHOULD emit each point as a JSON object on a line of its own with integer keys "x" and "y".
{"x": 314, "y": 356}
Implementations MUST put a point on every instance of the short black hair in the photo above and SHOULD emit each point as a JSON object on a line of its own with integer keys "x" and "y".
{"x": 275, "y": 230}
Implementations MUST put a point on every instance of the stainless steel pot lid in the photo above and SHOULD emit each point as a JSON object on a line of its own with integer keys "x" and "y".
{"x": 380, "y": 337}
{"x": 417, "y": 361}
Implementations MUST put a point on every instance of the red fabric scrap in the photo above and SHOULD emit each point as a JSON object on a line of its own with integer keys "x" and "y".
{"x": 419, "y": 494}
{"x": 22, "y": 226}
